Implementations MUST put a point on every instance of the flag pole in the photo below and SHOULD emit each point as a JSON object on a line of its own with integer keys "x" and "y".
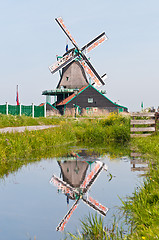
{"x": 142, "y": 106}
{"x": 17, "y": 96}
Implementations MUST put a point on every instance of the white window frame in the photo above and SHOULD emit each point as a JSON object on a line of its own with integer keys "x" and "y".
{"x": 90, "y": 100}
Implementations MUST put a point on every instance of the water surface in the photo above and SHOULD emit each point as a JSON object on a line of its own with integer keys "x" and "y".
{"x": 31, "y": 206}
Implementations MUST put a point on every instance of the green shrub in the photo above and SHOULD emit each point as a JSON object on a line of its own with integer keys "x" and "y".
{"x": 121, "y": 134}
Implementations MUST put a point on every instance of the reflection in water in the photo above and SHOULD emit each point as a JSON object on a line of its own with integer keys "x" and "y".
{"x": 138, "y": 162}
{"x": 75, "y": 183}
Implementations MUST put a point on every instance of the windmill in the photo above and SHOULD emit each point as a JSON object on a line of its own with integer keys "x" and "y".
{"x": 80, "y": 193}
{"x": 79, "y": 55}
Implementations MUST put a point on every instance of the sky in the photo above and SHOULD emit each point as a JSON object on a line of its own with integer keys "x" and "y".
{"x": 30, "y": 39}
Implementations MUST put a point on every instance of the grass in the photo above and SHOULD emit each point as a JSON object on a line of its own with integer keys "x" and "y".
{"x": 142, "y": 209}
{"x": 16, "y": 121}
{"x": 21, "y": 148}
{"x": 93, "y": 228}
{"x": 113, "y": 129}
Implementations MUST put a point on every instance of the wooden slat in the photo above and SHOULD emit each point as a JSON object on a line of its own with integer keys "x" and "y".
{"x": 143, "y": 129}
{"x": 140, "y": 122}
{"x": 139, "y": 169}
{"x": 138, "y": 161}
{"x": 135, "y": 154}
{"x": 140, "y": 135}
{"x": 150, "y": 124}
{"x": 151, "y": 114}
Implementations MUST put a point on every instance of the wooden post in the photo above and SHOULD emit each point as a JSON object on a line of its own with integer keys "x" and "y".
{"x": 32, "y": 110}
{"x": 45, "y": 110}
{"x": 155, "y": 121}
{"x": 64, "y": 110}
{"x": 6, "y": 108}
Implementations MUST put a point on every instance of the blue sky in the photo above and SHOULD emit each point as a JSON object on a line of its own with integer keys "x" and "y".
{"x": 31, "y": 39}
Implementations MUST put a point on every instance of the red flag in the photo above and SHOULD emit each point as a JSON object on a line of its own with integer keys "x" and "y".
{"x": 17, "y": 96}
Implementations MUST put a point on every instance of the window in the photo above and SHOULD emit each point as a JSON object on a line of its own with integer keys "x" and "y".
{"x": 90, "y": 100}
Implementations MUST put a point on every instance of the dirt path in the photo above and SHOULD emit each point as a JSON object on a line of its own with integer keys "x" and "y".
{"x": 23, "y": 128}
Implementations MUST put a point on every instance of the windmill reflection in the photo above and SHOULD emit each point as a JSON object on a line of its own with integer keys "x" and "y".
{"x": 75, "y": 182}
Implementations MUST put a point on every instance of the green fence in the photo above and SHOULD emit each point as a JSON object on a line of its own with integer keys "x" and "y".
{"x": 14, "y": 109}
{"x": 3, "y": 109}
{"x": 38, "y": 111}
{"x": 32, "y": 110}
{"x": 26, "y": 110}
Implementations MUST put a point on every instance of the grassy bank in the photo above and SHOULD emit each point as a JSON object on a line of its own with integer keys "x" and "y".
{"x": 18, "y": 149}
{"x": 141, "y": 211}
{"x": 113, "y": 129}
{"x": 44, "y": 143}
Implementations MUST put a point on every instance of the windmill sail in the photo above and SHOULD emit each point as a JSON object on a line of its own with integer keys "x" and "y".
{"x": 94, "y": 43}
{"x": 62, "y": 62}
{"x": 92, "y": 69}
{"x": 79, "y": 54}
{"x": 65, "y": 187}
{"x": 91, "y": 74}
{"x": 89, "y": 180}
{"x": 60, "y": 21}
{"x": 66, "y": 218}
{"x": 96, "y": 205}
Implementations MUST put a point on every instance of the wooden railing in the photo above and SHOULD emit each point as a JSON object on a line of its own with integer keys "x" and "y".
{"x": 142, "y": 124}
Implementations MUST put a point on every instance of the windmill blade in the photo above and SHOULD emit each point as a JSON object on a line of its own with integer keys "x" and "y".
{"x": 92, "y": 176}
{"x": 57, "y": 180}
{"x": 104, "y": 76}
{"x": 95, "y": 205}
{"x": 90, "y": 73}
{"x": 62, "y": 62}
{"x": 92, "y": 69}
{"x": 94, "y": 43}
{"x": 65, "y": 187}
{"x": 66, "y": 218}
{"x": 60, "y": 21}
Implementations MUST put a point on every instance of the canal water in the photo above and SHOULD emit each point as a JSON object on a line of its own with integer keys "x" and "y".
{"x": 37, "y": 200}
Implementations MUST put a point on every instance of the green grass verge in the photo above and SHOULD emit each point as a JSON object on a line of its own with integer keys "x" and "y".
{"x": 21, "y": 148}
{"x": 16, "y": 121}
{"x": 142, "y": 209}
